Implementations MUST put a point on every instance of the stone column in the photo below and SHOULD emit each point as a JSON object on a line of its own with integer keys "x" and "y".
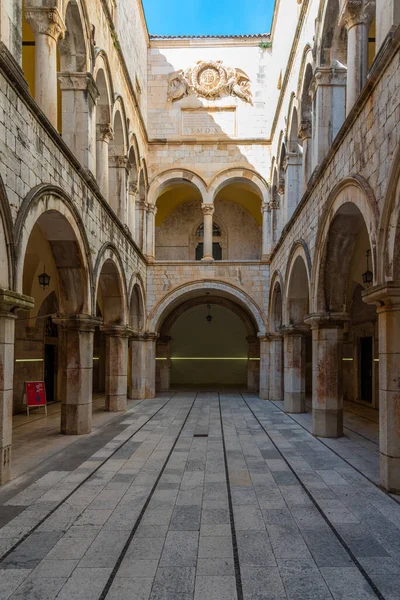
{"x": 132, "y": 191}
{"x": 275, "y": 218}
{"x": 104, "y": 134}
{"x": 140, "y": 212}
{"x": 79, "y": 97}
{"x": 163, "y": 364}
{"x": 327, "y": 384}
{"x": 151, "y": 211}
{"x": 253, "y": 365}
{"x": 387, "y": 299}
{"x": 266, "y": 230}
{"x": 264, "y": 367}
{"x": 294, "y": 369}
{"x": 275, "y": 367}
{"x": 47, "y": 26}
{"x": 143, "y": 366}
{"x": 116, "y": 367}
{"x": 292, "y": 168}
{"x": 387, "y": 16}
{"x": 328, "y": 90}
{"x": 118, "y": 186}
{"x": 9, "y": 301}
{"x": 76, "y": 369}
{"x": 305, "y": 136}
{"x": 357, "y": 16}
{"x": 208, "y": 211}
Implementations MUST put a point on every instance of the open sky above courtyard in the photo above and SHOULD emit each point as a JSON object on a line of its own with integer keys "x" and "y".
{"x": 208, "y": 17}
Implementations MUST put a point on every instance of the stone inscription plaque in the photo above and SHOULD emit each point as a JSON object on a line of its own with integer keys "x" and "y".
{"x": 209, "y": 122}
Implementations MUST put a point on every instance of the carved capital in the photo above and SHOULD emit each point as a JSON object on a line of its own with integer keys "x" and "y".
{"x": 207, "y": 209}
{"x": 357, "y": 12}
{"x": 305, "y": 130}
{"x": 335, "y": 75}
{"x": 46, "y": 21}
{"x": 104, "y": 132}
{"x": 83, "y": 82}
{"x": 118, "y": 162}
{"x": 265, "y": 207}
{"x": 140, "y": 205}
{"x": 281, "y": 186}
{"x": 151, "y": 209}
{"x": 132, "y": 188}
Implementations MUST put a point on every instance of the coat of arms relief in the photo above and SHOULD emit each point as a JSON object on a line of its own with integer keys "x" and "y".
{"x": 211, "y": 80}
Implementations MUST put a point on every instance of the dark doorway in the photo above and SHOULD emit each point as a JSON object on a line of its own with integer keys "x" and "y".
{"x": 366, "y": 361}
{"x": 50, "y": 366}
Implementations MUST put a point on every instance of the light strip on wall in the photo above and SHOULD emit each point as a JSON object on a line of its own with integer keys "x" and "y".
{"x": 347, "y": 359}
{"x": 211, "y": 358}
{"x": 22, "y": 360}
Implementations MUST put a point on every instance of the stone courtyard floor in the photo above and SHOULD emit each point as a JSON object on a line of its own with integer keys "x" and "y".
{"x": 202, "y": 496}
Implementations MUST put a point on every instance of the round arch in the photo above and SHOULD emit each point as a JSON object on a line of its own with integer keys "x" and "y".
{"x": 6, "y": 241}
{"x": 137, "y": 303}
{"x": 297, "y": 284}
{"x": 388, "y": 265}
{"x": 193, "y": 290}
{"x": 102, "y": 69}
{"x": 351, "y": 194}
{"x": 75, "y": 48}
{"x": 173, "y": 176}
{"x": 50, "y": 200}
{"x": 230, "y": 176}
{"x": 109, "y": 254}
{"x": 276, "y": 301}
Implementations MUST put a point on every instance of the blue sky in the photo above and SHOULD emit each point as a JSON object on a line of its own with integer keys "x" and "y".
{"x": 208, "y": 17}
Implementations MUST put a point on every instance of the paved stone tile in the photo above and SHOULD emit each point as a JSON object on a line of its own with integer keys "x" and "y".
{"x": 31, "y": 551}
{"x": 45, "y": 589}
{"x": 215, "y": 547}
{"x": 131, "y": 567}
{"x": 255, "y": 549}
{"x": 127, "y": 589}
{"x": 215, "y": 588}
{"x": 180, "y": 549}
{"x": 10, "y": 579}
{"x": 348, "y": 583}
{"x": 185, "y": 518}
{"x": 85, "y": 584}
{"x": 173, "y": 582}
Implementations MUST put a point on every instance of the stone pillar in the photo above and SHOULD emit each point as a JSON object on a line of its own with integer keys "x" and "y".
{"x": 143, "y": 366}
{"x": 47, "y": 26}
{"x": 151, "y": 211}
{"x": 266, "y": 231}
{"x": 292, "y": 168}
{"x": 387, "y": 299}
{"x": 275, "y": 367}
{"x": 163, "y": 364}
{"x": 264, "y": 367}
{"x": 116, "y": 367}
{"x": 104, "y": 134}
{"x": 275, "y": 218}
{"x": 79, "y": 97}
{"x": 327, "y": 384}
{"x": 387, "y": 16}
{"x": 328, "y": 90}
{"x": 208, "y": 211}
{"x": 294, "y": 369}
{"x": 357, "y": 16}
{"x": 9, "y": 301}
{"x": 76, "y": 369}
{"x": 118, "y": 186}
{"x": 132, "y": 191}
{"x": 140, "y": 213}
{"x": 305, "y": 136}
{"x": 253, "y": 365}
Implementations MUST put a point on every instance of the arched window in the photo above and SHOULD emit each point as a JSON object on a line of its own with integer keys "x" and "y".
{"x": 217, "y": 248}
{"x": 216, "y": 230}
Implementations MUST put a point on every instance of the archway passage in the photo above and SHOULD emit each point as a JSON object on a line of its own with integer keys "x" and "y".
{"x": 208, "y": 342}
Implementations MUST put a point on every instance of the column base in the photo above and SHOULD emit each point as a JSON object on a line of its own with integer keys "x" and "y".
{"x": 294, "y": 403}
{"x": 327, "y": 423}
{"x": 390, "y": 473}
{"x": 5, "y": 464}
{"x": 76, "y": 419}
{"x": 208, "y": 258}
{"x": 116, "y": 403}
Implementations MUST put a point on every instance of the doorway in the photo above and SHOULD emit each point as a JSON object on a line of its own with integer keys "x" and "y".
{"x": 366, "y": 363}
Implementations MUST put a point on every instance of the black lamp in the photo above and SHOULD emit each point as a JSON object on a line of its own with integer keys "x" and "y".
{"x": 368, "y": 276}
{"x": 209, "y": 316}
{"x": 44, "y": 279}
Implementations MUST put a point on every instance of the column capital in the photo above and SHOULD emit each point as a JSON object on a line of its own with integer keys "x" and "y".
{"x": 104, "y": 132}
{"x": 116, "y": 330}
{"x": 305, "y": 130}
{"x": 83, "y": 82}
{"x": 45, "y": 21}
{"x": 295, "y": 330}
{"x": 357, "y": 12}
{"x": 266, "y": 207}
{"x": 77, "y": 322}
{"x": 281, "y": 186}
{"x": 11, "y": 302}
{"x": 385, "y": 296}
{"x": 207, "y": 209}
{"x": 140, "y": 204}
{"x": 118, "y": 162}
{"x": 273, "y": 336}
{"x": 333, "y": 320}
{"x": 151, "y": 208}
{"x": 132, "y": 188}
{"x": 292, "y": 159}
{"x": 144, "y": 336}
{"x": 328, "y": 76}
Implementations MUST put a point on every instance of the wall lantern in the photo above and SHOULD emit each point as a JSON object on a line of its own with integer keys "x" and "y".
{"x": 44, "y": 279}
{"x": 368, "y": 276}
{"x": 209, "y": 316}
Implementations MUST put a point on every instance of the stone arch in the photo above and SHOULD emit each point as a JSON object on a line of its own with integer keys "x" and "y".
{"x": 170, "y": 177}
{"x": 307, "y": 59}
{"x": 388, "y": 265}
{"x": 276, "y": 302}
{"x": 103, "y": 79}
{"x": 229, "y": 176}
{"x": 109, "y": 276}
{"x": 294, "y": 142}
{"x": 74, "y": 47}
{"x": 6, "y": 241}
{"x": 137, "y": 303}
{"x": 353, "y": 201}
{"x": 65, "y": 231}
{"x": 216, "y": 288}
{"x": 119, "y": 143}
{"x": 297, "y": 284}
{"x": 331, "y": 44}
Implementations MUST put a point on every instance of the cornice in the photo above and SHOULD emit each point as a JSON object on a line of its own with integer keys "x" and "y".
{"x": 207, "y": 41}
{"x": 209, "y": 142}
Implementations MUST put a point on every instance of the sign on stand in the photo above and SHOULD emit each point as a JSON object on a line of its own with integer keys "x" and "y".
{"x": 35, "y": 394}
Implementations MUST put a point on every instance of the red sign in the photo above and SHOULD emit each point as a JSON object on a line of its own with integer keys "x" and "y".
{"x": 35, "y": 393}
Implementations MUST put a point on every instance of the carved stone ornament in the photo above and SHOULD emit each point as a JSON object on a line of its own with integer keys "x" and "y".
{"x": 207, "y": 209}
{"x": 211, "y": 80}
